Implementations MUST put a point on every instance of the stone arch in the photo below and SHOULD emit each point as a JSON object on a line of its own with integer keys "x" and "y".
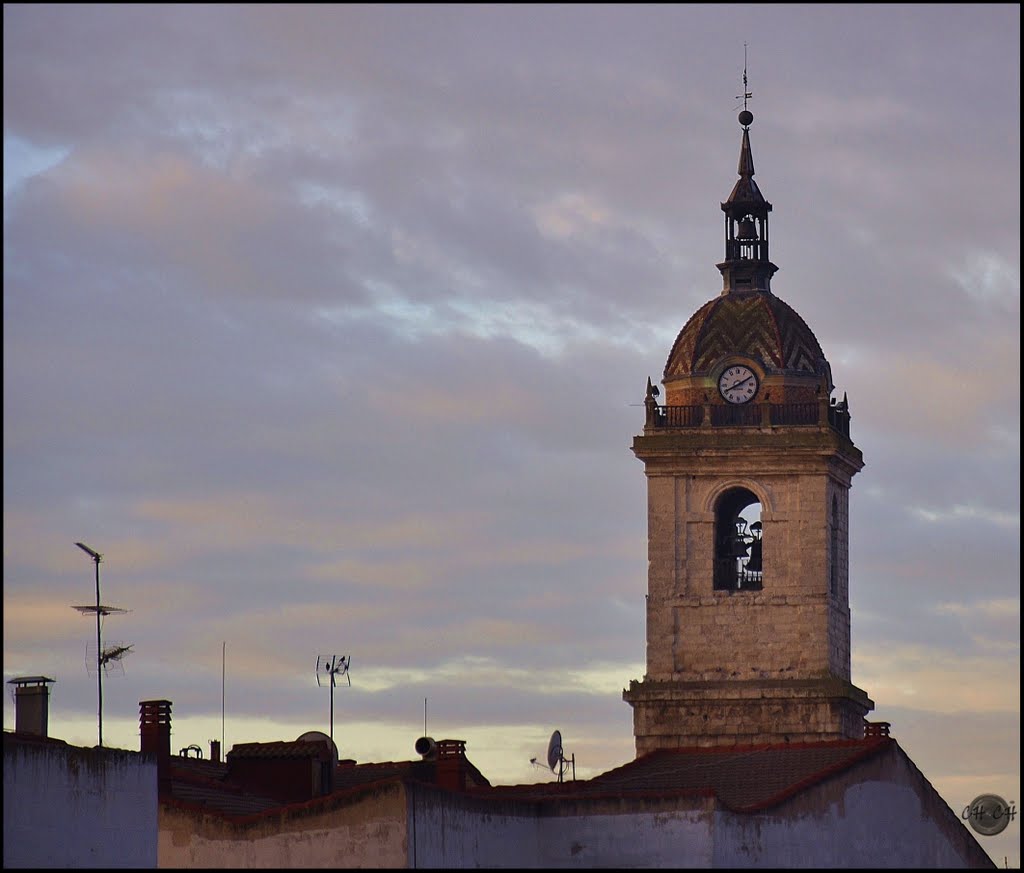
{"x": 738, "y": 546}
{"x": 714, "y": 495}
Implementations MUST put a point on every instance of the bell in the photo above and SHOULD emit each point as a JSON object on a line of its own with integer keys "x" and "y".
{"x": 747, "y": 229}
{"x": 754, "y": 564}
{"x": 736, "y": 547}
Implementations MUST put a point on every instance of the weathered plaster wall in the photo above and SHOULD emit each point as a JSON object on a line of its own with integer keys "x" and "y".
{"x": 71, "y": 807}
{"x": 453, "y": 830}
{"x": 880, "y": 814}
{"x": 883, "y": 821}
{"x": 669, "y": 838}
{"x": 362, "y": 830}
{"x": 456, "y": 832}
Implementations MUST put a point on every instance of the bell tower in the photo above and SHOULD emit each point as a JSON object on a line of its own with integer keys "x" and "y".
{"x": 749, "y": 464}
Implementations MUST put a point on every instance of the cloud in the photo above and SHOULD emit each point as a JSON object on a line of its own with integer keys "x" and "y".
{"x": 925, "y": 677}
{"x": 330, "y": 327}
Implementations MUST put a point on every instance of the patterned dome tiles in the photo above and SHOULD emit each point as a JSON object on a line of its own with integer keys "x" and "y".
{"x": 756, "y": 325}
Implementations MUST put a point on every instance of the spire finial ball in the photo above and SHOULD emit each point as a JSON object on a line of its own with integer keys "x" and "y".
{"x": 746, "y": 117}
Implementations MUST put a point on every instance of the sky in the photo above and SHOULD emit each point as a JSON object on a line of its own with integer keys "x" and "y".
{"x": 329, "y": 327}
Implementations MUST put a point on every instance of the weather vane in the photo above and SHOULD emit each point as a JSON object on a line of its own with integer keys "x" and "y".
{"x": 746, "y": 95}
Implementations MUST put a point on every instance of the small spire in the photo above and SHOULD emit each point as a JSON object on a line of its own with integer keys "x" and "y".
{"x": 746, "y": 168}
{"x": 746, "y": 117}
{"x": 745, "y": 190}
{"x": 746, "y": 266}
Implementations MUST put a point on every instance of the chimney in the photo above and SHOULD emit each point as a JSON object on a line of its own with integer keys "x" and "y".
{"x": 155, "y": 733}
{"x": 32, "y": 704}
{"x": 215, "y": 751}
{"x": 451, "y": 764}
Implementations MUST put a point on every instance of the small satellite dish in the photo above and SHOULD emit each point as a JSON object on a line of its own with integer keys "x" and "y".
{"x": 319, "y": 737}
{"x": 555, "y": 751}
{"x": 556, "y": 757}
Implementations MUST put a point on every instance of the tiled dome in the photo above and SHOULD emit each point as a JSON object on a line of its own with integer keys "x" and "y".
{"x": 756, "y": 324}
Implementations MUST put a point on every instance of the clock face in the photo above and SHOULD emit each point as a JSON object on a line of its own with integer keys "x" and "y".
{"x": 738, "y": 384}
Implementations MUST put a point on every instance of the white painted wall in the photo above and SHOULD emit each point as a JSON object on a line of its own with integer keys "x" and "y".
{"x": 876, "y": 824}
{"x": 71, "y": 807}
{"x": 676, "y": 838}
{"x": 449, "y": 831}
{"x": 881, "y": 817}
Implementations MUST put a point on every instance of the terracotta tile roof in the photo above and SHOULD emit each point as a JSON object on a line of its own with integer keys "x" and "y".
{"x": 220, "y": 798}
{"x": 294, "y": 749}
{"x": 199, "y": 767}
{"x": 199, "y": 783}
{"x": 743, "y": 778}
{"x": 26, "y": 737}
{"x": 353, "y": 775}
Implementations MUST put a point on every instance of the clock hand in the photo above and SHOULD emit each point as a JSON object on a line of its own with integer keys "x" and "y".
{"x": 737, "y": 384}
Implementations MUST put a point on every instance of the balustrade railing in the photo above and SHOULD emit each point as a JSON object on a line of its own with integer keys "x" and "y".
{"x": 836, "y": 415}
{"x": 735, "y": 416}
{"x": 732, "y": 575}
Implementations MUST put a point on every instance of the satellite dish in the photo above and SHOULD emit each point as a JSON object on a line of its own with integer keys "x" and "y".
{"x": 319, "y": 737}
{"x": 555, "y": 750}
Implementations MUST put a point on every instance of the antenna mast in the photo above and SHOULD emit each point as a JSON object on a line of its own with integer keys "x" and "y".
{"x": 103, "y": 656}
{"x": 223, "y": 675}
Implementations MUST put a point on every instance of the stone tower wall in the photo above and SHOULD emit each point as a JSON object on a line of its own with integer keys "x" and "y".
{"x": 734, "y": 666}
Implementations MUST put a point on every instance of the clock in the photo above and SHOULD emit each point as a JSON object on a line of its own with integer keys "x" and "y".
{"x": 738, "y": 384}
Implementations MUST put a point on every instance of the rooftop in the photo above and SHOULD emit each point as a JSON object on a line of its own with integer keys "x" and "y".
{"x": 743, "y": 778}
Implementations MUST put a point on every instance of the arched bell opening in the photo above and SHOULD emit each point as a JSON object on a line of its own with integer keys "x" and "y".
{"x": 746, "y": 236}
{"x": 738, "y": 542}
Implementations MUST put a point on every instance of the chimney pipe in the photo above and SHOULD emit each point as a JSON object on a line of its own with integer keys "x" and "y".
{"x": 155, "y": 737}
{"x": 451, "y": 764}
{"x": 32, "y": 704}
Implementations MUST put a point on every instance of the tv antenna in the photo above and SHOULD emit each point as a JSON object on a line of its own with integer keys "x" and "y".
{"x": 104, "y": 656}
{"x": 557, "y": 761}
{"x": 333, "y": 667}
{"x": 110, "y": 658}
